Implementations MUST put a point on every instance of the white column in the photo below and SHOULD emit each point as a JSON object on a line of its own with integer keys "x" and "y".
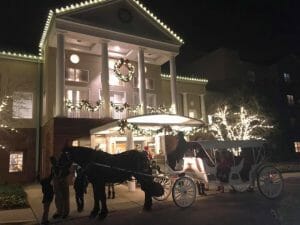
{"x": 203, "y": 110}
{"x": 185, "y": 105}
{"x": 142, "y": 85}
{"x": 129, "y": 143}
{"x": 173, "y": 84}
{"x": 105, "y": 79}
{"x": 60, "y": 75}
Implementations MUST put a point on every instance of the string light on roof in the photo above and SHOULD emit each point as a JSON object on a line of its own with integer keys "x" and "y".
{"x": 185, "y": 78}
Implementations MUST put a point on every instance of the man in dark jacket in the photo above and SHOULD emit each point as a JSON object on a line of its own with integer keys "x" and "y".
{"x": 177, "y": 155}
{"x": 48, "y": 193}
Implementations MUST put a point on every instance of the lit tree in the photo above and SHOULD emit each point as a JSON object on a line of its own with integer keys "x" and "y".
{"x": 4, "y": 123}
{"x": 242, "y": 125}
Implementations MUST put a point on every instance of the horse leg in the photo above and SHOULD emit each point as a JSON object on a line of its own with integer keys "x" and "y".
{"x": 96, "y": 208}
{"x": 113, "y": 190}
{"x": 148, "y": 202}
{"x": 109, "y": 190}
{"x": 104, "y": 210}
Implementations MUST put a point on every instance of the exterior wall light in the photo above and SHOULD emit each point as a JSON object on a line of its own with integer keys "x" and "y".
{"x": 74, "y": 58}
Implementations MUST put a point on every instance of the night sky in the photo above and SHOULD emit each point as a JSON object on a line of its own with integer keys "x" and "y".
{"x": 262, "y": 30}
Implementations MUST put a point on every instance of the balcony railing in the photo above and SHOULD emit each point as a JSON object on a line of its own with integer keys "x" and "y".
{"x": 117, "y": 110}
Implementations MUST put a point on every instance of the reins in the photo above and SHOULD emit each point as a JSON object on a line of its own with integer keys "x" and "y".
{"x": 118, "y": 169}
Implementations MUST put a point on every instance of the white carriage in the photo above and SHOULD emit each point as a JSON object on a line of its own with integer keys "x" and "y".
{"x": 202, "y": 162}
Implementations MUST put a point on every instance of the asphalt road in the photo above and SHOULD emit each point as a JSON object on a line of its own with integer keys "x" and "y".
{"x": 215, "y": 209}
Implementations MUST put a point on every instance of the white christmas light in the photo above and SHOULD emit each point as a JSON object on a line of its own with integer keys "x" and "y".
{"x": 237, "y": 126}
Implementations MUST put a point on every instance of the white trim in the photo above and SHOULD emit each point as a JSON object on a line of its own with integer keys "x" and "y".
{"x": 66, "y": 25}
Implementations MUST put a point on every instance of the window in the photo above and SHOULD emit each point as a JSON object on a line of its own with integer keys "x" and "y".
{"x": 77, "y": 75}
{"x": 149, "y": 84}
{"x": 297, "y": 146}
{"x": 15, "y": 162}
{"x": 290, "y": 99}
{"x": 22, "y": 105}
{"x": 75, "y": 95}
{"x": 117, "y": 97}
{"x": 286, "y": 77}
{"x": 151, "y": 100}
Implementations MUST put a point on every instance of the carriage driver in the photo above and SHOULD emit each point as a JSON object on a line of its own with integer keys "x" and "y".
{"x": 176, "y": 157}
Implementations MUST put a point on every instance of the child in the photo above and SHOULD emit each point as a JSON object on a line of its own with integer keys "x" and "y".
{"x": 80, "y": 185}
{"x": 48, "y": 193}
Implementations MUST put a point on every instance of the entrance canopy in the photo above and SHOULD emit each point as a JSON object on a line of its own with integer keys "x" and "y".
{"x": 152, "y": 122}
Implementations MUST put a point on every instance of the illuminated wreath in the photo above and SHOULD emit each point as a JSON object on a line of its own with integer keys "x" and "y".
{"x": 117, "y": 69}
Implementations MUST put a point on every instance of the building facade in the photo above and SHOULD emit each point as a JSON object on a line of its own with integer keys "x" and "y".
{"x": 99, "y": 61}
{"x": 277, "y": 82}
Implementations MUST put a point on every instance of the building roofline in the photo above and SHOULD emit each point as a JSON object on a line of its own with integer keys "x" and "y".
{"x": 20, "y": 56}
{"x": 82, "y": 5}
{"x": 185, "y": 78}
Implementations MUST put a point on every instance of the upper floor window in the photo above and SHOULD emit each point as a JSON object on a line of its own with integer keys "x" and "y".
{"x": 151, "y": 100}
{"x": 149, "y": 84}
{"x": 286, "y": 77}
{"x": 117, "y": 97}
{"x": 297, "y": 146}
{"x": 15, "y": 162}
{"x": 22, "y": 105}
{"x": 77, "y": 75}
{"x": 290, "y": 99}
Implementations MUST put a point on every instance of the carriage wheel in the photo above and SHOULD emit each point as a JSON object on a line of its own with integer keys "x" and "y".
{"x": 184, "y": 192}
{"x": 166, "y": 182}
{"x": 270, "y": 182}
{"x": 237, "y": 184}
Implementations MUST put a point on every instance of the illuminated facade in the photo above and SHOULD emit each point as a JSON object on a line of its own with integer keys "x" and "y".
{"x": 73, "y": 83}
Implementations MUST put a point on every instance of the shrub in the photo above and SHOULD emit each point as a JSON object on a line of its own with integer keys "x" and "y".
{"x": 12, "y": 196}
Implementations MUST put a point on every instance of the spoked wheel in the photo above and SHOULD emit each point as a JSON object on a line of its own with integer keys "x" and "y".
{"x": 184, "y": 192}
{"x": 237, "y": 184}
{"x": 270, "y": 182}
{"x": 166, "y": 182}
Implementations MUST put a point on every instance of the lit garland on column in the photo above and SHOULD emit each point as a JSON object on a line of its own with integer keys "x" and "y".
{"x": 117, "y": 69}
{"x": 3, "y": 126}
{"x": 4, "y": 102}
{"x": 84, "y": 105}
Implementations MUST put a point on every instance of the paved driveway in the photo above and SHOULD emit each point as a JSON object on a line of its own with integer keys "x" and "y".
{"x": 214, "y": 209}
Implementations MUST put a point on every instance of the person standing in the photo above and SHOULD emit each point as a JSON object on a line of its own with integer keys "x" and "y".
{"x": 80, "y": 186}
{"x": 61, "y": 189}
{"x": 48, "y": 193}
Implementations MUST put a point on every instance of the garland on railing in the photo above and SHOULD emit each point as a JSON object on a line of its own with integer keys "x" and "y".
{"x": 11, "y": 129}
{"x": 84, "y": 105}
{"x": 161, "y": 110}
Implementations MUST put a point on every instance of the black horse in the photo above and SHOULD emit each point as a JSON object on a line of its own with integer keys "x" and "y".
{"x": 101, "y": 167}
